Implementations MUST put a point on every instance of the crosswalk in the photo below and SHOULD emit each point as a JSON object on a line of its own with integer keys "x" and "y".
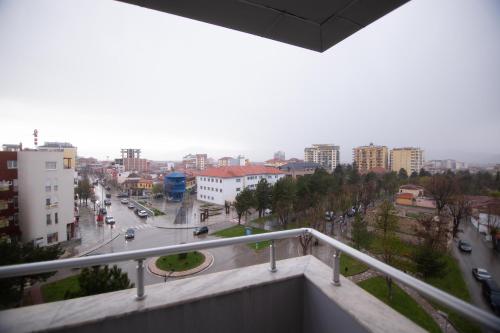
{"x": 138, "y": 227}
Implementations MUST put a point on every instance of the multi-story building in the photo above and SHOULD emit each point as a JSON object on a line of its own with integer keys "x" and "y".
{"x": 326, "y": 155}
{"x": 9, "y": 213}
{"x": 231, "y": 161}
{"x": 369, "y": 157}
{"x": 46, "y": 196}
{"x": 274, "y": 163}
{"x": 195, "y": 161}
{"x": 440, "y": 166}
{"x": 409, "y": 158}
{"x": 279, "y": 155}
{"x": 298, "y": 169}
{"x": 132, "y": 161}
{"x": 218, "y": 185}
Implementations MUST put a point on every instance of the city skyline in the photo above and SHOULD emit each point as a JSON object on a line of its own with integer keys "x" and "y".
{"x": 107, "y": 75}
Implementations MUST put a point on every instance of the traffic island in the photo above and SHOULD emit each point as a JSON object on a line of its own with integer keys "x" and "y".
{"x": 180, "y": 265}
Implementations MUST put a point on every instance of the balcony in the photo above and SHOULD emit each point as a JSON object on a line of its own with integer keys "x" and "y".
{"x": 295, "y": 295}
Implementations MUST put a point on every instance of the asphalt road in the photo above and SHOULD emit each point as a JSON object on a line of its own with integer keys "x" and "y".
{"x": 482, "y": 256}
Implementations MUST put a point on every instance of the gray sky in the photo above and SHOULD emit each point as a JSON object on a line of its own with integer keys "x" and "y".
{"x": 106, "y": 75}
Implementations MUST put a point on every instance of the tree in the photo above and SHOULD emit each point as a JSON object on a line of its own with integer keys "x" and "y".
{"x": 83, "y": 189}
{"x": 14, "y": 253}
{"x": 433, "y": 236}
{"x": 243, "y": 202}
{"x": 458, "y": 207}
{"x": 441, "y": 188}
{"x": 96, "y": 280}
{"x": 493, "y": 222}
{"x": 313, "y": 217}
{"x": 263, "y": 193}
{"x": 387, "y": 224}
{"x": 157, "y": 188}
{"x": 390, "y": 184}
{"x": 367, "y": 194}
{"x": 283, "y": 199}
{"x": 424, "y": 173}
{"x": 359, "y": 232}
{"x": 403, "y": 175}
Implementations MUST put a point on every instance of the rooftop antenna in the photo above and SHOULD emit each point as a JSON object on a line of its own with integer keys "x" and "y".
{"x": 35, "y": 138}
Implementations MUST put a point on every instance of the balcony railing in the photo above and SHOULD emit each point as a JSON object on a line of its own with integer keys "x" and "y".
{"x": 465, "y": 309}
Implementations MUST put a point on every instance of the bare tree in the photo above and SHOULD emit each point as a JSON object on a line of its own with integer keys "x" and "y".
{"x": 493, "y": 221}
{"x": 459, "y": 207}
{"x": 311, "y": 218}
{"x": 441, "y": 188}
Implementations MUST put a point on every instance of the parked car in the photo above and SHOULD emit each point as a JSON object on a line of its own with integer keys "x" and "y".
{"x": 103, "y": 211}
{"x": 108, "y": 188}
{"x": 267, "y": 211}
{"x": 107, "y": 202}
{"x": 130, "y": 233}
{"x": 481, "y": 274}
{"x": 200, "y": 230}
{"x": 124, "y": 201}
{"x": 108, "y": 195}
{"x": 491, "y": 292}
{"x": 464, "y": 246}
{"x": 142, "y": 213}
{"x": 131, "y": 205}
{"x": 110, "y": 219}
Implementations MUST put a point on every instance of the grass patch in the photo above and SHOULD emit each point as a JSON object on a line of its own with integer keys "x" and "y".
{"x": 178, "y": 263}
{"x": 157, "y": 211}
{"x": 350, "y": 266}
{"x": 55, "y": 291}
{"x": 403, "y": 249}
{"x": 401, "y": 302}
{"x": 239, "y": 230}
{"x": 452, "y": 282}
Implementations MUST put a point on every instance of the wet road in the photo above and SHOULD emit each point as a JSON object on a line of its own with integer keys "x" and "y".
{"x": 482, "y": 256}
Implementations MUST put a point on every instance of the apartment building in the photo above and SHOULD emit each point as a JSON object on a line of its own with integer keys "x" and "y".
{"x": 9, "y": 213}
{"x": 218, "y": 185}
{"x": 298, "y": 169}
{"x": 326, "y": 155}
{"x": 279, "y": 155}
{"x": 46, "y": 196}
{"x": 440, "y": 166}
{"x": 230, "y": 161}
{"x": 195, "y": 161}
{"x": 370, "y": 157}
{"x": 409, "y": 158}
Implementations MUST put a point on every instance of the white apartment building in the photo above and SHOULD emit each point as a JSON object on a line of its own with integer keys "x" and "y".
{"x": 218, "y": 185}
{"x": 46, "y": 196}
{"x": 409, "y": 158}
{"x": 326, "y": 155}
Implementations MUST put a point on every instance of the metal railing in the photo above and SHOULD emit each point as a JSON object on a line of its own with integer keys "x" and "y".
{"x": 139, "y": 256}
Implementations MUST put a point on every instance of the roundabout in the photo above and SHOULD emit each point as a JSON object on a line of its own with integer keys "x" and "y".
{"x": 180, "y": 265}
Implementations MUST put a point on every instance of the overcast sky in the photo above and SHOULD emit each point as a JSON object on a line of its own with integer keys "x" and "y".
{"x": 106, "y": 75}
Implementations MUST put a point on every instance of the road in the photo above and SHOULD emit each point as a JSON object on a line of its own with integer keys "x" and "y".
{"x": 482, "y": 256}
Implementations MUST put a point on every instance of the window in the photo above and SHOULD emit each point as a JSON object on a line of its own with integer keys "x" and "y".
{"x": 47, "y": 202}
{"x": 50, "y": 165}
{"x": 67, "y": 163}
{"x": 56, "y": 218}
{"x": 4, "y": 185}
{"x": 48, "y": 219}
{"x": 56, "y": 187}
{"x": 12, "y": 164}
{"x": 4, "y": 204}
{"x": 238, "y": 180}
{"x": 238, "y": 189}
{"x": 47, "y": 188}
{"x": 52, "y": 238}
{"x": 220, "y": 190}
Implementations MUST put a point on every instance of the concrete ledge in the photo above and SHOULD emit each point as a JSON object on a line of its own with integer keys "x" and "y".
{"x": 299, "y": 297}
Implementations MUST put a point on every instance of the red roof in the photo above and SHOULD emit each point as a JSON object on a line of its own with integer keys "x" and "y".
{"x": 405, "y": 196}
{"x": 239, "y": 171}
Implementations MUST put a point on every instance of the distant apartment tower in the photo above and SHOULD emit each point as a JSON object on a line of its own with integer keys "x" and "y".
{"x": 370, "y": 157}
{"x": 132, "y": 161}
{"x": 9, "y": 213}
{"x": 46, "y": 195}
{"x": 279, "y": 155}
{"x": 409, "y": 158}
{"x": 230, "y": 161}
{"x": 440, "y": 166}
{"x": 326, "y": 155}
{"x": 195, "y": 161}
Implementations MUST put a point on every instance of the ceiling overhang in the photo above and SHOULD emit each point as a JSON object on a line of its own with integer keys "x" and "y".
{"x": 312, "y": 24}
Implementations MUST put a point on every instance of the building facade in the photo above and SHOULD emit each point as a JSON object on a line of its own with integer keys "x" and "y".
{"x": 279, "y": 155}
{"x": 409, "y": 158}
{"x": 299, "y": 169}
{"x": 132, "y": 161}
{"x": 369, "y": 157}
{"x": 195, "y": 161}
{"x": 46, "y": 196}
{"x": 218, "y": 185}
{"x": 440, "y": 166}
{"x": 326, "y": 155}
{"x": 231, "y": 161}
{"x": 9, "y": 212}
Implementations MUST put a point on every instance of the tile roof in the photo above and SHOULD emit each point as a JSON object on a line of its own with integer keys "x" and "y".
{"x": 239, "y": 171}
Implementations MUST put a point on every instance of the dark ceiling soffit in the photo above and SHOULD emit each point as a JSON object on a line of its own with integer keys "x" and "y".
{"x": 278, "y": 24}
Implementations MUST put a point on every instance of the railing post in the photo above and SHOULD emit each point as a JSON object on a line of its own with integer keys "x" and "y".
{"x": 140, "y": 279}
{"x": 336, "y": 267}
{"x": 272, "y": 256}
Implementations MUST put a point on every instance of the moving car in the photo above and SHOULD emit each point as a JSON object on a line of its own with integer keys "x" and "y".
{"x": 142, "y": 213}
{"x": 131, "y": 205}
{"x": 124, "y": 201}
{"x": 464, "y": 246}
{"x": 107, "y": 202}
{"x": 103, "y": 211}
{"x": 481, "y": 274}
{"x": 491, "y": 292}
{"x": 130, "y": 233}
{"x": 110, "y": 219}
{"x": 200, "y": 230}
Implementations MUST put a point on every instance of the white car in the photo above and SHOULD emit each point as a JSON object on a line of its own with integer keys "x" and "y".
{"x": 142, "y": 213}
{"x": 110, "y": 219}
{"x": 124, "y": 201}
